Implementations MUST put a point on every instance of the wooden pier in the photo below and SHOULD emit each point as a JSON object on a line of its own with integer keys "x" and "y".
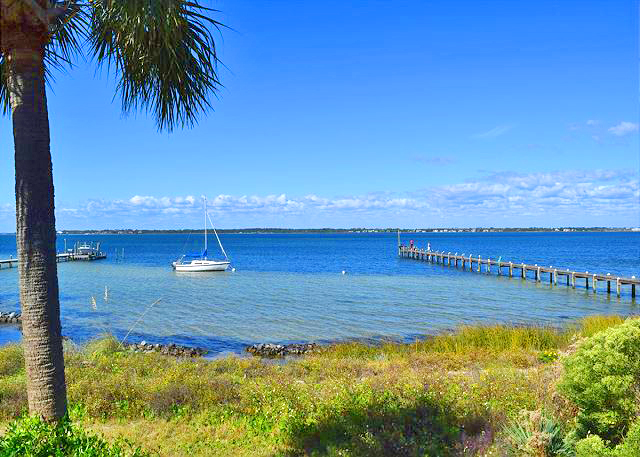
{"x": 553, "y": 274}
{"x": 81, "y": 252}
{"x": 11, "y": 262}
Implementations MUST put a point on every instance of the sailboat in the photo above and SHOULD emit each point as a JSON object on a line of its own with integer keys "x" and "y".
{"x": 200, "y": 262}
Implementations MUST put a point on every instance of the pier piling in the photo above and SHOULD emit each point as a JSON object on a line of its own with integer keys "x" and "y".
{"x": 449, "y": 260}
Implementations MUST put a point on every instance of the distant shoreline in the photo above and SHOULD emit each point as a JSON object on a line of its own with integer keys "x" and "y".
{"x": 274, "y": 231}
{"x": 356, "y": 230}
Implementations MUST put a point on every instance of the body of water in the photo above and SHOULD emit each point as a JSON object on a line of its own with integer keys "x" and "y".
{"x": 289, "y": 288}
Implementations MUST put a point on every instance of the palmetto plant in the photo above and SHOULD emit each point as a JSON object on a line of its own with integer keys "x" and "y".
{"x": 162, "y": 53}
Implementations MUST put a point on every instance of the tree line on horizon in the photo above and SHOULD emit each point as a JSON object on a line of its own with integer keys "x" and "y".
{"x": 341, "y": 230}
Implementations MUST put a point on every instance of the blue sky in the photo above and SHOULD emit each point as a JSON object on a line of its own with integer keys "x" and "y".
{"x": 370, "y": 113}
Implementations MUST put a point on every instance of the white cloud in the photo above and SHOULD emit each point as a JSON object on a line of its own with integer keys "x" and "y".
{"x": 494, "y": 132}
{"x": 601, "y": 196}
{"x": 623, "y": 128}
{"x": 570, "y": 197}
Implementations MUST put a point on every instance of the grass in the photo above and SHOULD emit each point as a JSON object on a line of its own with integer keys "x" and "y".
{"x": 446, "y": 395}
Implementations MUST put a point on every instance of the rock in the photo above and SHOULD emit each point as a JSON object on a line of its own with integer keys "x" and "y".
{"x": 10, "y": 318}
{"x": 171, "y": 349}
{"x": 279, "y": 350}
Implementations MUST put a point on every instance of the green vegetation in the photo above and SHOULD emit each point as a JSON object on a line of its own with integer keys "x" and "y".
{"x": 603, "y": 380}
{"x": 483, "y": 391}
{"x": 32, "y": 437}
{"x": 537, "y": 434}
{"x": 595, "y": 446}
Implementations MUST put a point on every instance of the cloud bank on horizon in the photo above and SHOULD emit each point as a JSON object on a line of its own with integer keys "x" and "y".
{"x": 561, "y": 198}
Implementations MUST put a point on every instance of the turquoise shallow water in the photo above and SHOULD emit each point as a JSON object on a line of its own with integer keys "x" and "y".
{"x": 289, "y": 288}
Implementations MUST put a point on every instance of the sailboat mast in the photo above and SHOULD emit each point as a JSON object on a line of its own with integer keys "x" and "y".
{"x": 218, "y": 238}
{"x": 205, "y": 226}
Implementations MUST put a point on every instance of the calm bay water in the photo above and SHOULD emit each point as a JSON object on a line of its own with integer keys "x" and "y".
{"x": 289, "y": 288}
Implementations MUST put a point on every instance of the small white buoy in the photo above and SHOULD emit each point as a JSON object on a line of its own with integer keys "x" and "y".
{"x": 344, "y": 272}
{"x": 233, "y": 269}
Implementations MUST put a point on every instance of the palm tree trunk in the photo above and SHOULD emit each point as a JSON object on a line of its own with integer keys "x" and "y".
{"x": 36, "y": 235}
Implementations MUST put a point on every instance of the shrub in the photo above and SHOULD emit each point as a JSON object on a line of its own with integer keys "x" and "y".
{"x": 363, "y": 422}
{"x": 32, "y": 437}
{"x": 602, "y": 378}
{"x": 631, "y": 445}
{"x": 169, "y": 398}
{"x": 13, "y": 399}
{"x": 594, "y": 446}
{"x": 11, "y": 360}
{"x": 548, "y": 356}
{"x": 106, "y": 345}
{"x": 536, "y": 435}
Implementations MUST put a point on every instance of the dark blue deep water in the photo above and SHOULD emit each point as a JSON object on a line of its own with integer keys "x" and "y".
{"x": 290, "y": 288}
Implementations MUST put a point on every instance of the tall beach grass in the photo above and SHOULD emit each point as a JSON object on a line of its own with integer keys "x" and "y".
{"x": 437, "y": 396}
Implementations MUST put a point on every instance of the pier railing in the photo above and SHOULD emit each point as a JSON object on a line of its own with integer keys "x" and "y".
{"x": 63, "y": 257}
{"x": 471, "y": 263}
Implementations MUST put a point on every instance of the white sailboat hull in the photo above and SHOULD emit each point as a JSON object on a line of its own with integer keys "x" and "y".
{"x": 201, "y": 265}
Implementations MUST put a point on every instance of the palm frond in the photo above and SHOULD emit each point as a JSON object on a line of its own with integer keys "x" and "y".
{"x": 163, "y": 53}
{"x": 68, "y": 25}
{"x": 68, "y": 29}
{"x": 5, "y": 104}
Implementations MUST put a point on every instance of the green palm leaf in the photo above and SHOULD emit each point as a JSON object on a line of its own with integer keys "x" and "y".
{"x": 67, "y": 32}
{"x": 163, "y": 53}
{"x": 5, "y": 106}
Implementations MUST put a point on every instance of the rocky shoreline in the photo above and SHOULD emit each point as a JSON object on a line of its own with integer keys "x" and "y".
{"x": 281, "y": 350}
{"x": 166, "y": 349}
{"x": 10, "y": 318}
{"x": 267, "y": 350}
